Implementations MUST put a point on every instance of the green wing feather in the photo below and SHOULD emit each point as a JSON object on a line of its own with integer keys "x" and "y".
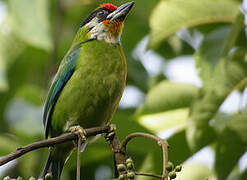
{"x": 64, "y": 73}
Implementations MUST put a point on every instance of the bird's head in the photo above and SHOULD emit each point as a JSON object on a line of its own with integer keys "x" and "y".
{"x": 106, "y": 22}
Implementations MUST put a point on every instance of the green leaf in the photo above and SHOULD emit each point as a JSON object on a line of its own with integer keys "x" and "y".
{"x": 166, "y": 106}
{"x": 207, "y": 57}
{"x": 30, "y": 21}
{"x": 170, "y": 16}
{"x": 238, "y": 124}
{"x": 168, "y": 96}
{"x": 194, "y": 171}
{"x": 229, "y": 75}
{"x": 162, "y": 121}
{"x": 231, "y": 145}
{"x": 219, "y": 80}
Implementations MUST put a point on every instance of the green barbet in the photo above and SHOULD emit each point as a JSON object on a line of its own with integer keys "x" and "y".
{"x": 89, "y": 83}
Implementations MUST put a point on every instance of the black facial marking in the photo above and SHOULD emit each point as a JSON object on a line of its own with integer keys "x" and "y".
{"x": 101, "y": 13}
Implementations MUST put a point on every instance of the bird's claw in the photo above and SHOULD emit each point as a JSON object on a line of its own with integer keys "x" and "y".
{"x": 110, "y": 134}
{"x": 78, "y": 130}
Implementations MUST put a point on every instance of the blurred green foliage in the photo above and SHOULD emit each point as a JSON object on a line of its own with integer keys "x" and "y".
{"x": 35, "y": 35}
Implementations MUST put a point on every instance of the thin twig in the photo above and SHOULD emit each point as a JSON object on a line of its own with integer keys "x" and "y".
{"x": 78, "y": 167}
{"x": 162, "y": 143}
{"x": 50, "y": 142}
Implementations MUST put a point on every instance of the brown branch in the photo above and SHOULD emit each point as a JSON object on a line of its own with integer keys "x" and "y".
{"x": 118, "y": 149}
{"x": 118, "y": 156}
{"x": 51, "y": 142}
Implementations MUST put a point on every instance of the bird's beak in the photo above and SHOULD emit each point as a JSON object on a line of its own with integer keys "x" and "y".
{"x": 121, "y": 12}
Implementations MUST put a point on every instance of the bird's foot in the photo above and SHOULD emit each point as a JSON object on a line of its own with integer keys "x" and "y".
{"x": 78, "y": 130}
{"x": 110, "y": 134}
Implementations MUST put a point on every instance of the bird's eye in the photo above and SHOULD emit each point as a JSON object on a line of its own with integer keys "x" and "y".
{"x": 100, "y": 13}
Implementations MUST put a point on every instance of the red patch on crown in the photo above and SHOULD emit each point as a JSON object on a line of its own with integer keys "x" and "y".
{"x": 110, "y": 7}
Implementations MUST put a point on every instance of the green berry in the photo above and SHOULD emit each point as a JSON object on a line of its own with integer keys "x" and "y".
{"x": 130, "y": 166}
{"x": 48, "y": 176}
{"x": 32, "y": 178}
{"x": 7, "y": 178}
{"x": 129, "y": 160}
{"x": 19, "y": 178}
{"x": 169, "y": 166}
{"x": 131, "y": 175}
{"x": 122, "y": 177}
{"x": 172, "y": 175}
{"x": 178, "y": 168}
{"x": 121, "y": 167}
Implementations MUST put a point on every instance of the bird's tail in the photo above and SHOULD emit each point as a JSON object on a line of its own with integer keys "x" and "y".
{"x": 53, "y": 165}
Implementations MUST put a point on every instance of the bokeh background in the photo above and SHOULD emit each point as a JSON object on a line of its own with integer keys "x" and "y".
{"x": 187, "y": 77}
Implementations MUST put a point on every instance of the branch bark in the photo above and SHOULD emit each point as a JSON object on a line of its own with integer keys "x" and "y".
{"x": 51, "y": 142}
{"x": 118, "y": 155}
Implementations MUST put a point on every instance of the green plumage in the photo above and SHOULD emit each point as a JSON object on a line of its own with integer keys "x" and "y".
{"x": 91, "y": 95}
{"x": 86, "y": 91}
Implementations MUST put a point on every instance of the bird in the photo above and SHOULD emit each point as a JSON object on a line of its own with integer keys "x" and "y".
{"x": 89, "y": 82}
